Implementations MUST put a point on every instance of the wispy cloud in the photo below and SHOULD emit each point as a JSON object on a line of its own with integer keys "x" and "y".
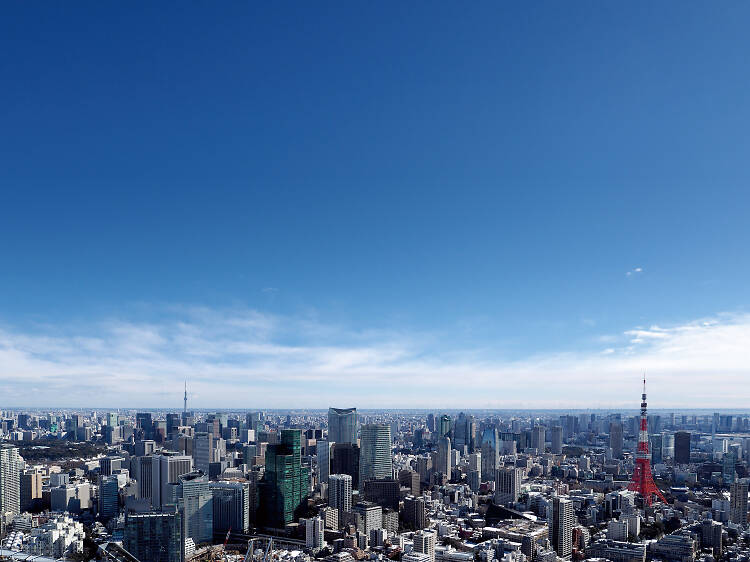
{"x": 634, "y": 271}
{"x": 246, "y": 358}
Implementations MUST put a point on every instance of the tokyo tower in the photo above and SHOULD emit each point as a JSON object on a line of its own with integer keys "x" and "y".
{"x": 643, "y": 481}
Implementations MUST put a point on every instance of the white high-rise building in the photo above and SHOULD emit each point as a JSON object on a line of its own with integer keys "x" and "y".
{"x": 314, "y": 533}
{"x": 340, "y": 493}
{"x": 507, "y": 485}
{"x": 424, "y": 542}
{"x": 10, "y": 480}
{"x": 560, "y": 519}
{"x": 165, "y": 472}
{"x": 196, "y": 506}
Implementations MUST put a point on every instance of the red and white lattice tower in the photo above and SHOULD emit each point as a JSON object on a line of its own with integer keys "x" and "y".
{"x": 643, "y": 481}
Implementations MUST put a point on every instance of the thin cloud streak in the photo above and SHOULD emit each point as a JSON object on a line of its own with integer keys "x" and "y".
{"x": 247, "y": 359}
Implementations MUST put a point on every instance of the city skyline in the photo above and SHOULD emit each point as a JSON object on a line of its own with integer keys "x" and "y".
{"x": 543, "y": 203}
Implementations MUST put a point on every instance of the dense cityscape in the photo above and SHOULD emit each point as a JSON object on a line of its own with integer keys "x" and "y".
{"x": 344, "y": 485}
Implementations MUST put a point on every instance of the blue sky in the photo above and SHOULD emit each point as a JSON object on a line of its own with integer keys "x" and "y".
{"x": 373, "y": 193}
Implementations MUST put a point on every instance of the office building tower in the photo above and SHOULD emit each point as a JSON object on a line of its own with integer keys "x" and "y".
{"x": 368, "y": 516}
{"x": 30, "y": 490}
{"x": 375, "y": 453}
{"x": 728, "y": 465}
{"x": 345, "y": 460}
{"x": 285, "y": 485}
{"x": 424, "y": 542}
{"x": 415, "y": 513}
{"x": 431, "y": 422}
{"x": 556, "y": 439}
{"x": 560, "y": 519}
{"x": 324, "y": 452}
{"x": 342, "y": 425}
{"x": 10, "y": 480}
{"x": 196, "y": 507}
{"x": 738, "y": 491}
{"x": 109, "y": 464}
{"x": 109, "y": 497}
{"x": 711, "y": 536}
{"x": 154, "y": 537}
{"x": 231, "y": 503}
{"x": 443, "y": 463}
{"x": 682, "y": 447}
{"x": 340, "y": 493}
{"x": 656, "y": 442}
{"x": 616, "y": 439}
{"x": 203, "y": 451}
{"x": 385, "y": 493}
{"x": 667, "y": 446}
{"x": 314, "y": 533}
{"x": 445, "y": 425}
{"x": 507, "y": 485}
{"x": 166, "y": 469}
{"x": 538, "y": 438}
{"x": 490, "y": 453}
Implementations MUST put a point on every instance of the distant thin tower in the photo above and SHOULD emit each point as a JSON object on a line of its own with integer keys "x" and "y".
{"x": 184, "y": 408}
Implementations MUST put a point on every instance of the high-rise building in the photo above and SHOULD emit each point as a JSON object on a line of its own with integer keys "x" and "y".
{"x": 31, "y": 490}
{"x": 415, "y": 513}
{"x": 340, "y": 493}
{"x": 10, "y": 480}
{"x": 196, "y": 507}
{"x": 166, "y": 469}
{"x": 490, "y": 453}
{"x": 445, "y": 425}
{"x": 443, "y": 464}
{"x": 203, "y": 451}
{"x": 154, "y": 537}
{"x": 368, "y": 516}
{"x": 738, "y": 502}
{"x": 345, "y": 460}
{"x": 507, "y": 485}
{"x": 385, "y": 493}
{"x": 231, "y": 501}
{"x": 556, "y": 440}
{"x": 375, "y": 453}
{"x": 285, "y": 485}
{"x": 561, "y": 519}
{"x": 538, "y": 438}
{"x": 314, "y": 533}
{"x": 615, "y": 439}
{"x": 109, "y": 497}
{"x": 342, "y": 425}
{"x": 682, "y": 447}
{"x": 324, "y": 450}
{"x": 424, "y": 542}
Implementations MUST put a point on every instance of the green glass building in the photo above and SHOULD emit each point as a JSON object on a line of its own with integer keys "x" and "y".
{"x": 285, "y": 485}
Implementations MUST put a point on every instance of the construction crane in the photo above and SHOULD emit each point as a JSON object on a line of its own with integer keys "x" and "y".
{"x": 250, "y": 549}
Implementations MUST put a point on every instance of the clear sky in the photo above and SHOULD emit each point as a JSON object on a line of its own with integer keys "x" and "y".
{"x": 374, "y": 204}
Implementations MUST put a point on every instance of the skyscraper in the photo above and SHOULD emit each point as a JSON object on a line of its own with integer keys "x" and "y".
{"x": 345, "y": 460}
{"x": 109, "y": 497}
{"x": 166, "y": 469}
{"x": 154, "y": 537}
{"x": 196, "y": 507}
{"x": 556, "y": 439}
{"x": 324, "y": 450}
{"x": 490, "y": 453}
{"x": 285, "y": 484}
{"x": 682, "y": 447}
{"x": 340, "y": 493}
{"x": 445, "y": 425}
{"x": 342, "y": 425}
{"x": 507, "y": 485}
{"x": 560, "y": 519}
{"x": 375, "y": 453}
{"x": 231, "y": 502}
{"x": 31, "y": 490}
{"x": 10, "y": 480}
{"x": 443, "y": 464}
{"x": 538, "y": 438}
{"x": 738, "y": 502}
{"x": 615, "y": 439}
